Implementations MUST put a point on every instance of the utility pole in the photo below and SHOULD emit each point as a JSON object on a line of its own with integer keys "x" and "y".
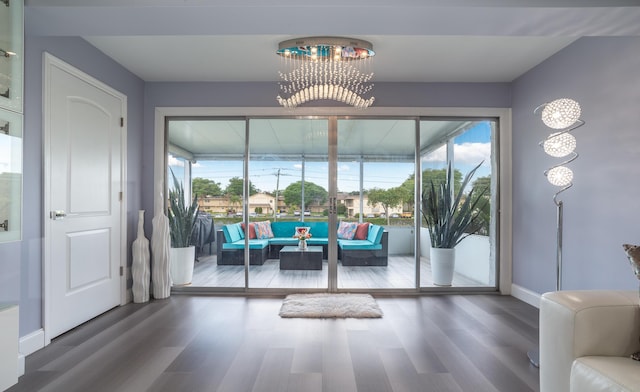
{"x": 275, "y": 207}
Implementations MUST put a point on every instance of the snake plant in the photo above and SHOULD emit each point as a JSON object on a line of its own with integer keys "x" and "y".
{"x": 182, "y": 217}
{"x": 451, "y": 218}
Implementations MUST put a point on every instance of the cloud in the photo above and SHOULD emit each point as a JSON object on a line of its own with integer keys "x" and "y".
{"x": 344, "y": 168}
{"x": 298, "y": 166}
{"x": 464, "y": 154}
{"x": 173, "y": 161}
{"x": 439, "y": 155}
{"x": 472, "y": 153}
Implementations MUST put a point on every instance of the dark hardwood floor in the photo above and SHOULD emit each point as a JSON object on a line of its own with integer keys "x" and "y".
{"x": 206, "y": 343}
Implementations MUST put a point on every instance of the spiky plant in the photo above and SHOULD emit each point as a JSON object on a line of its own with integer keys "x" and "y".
{"x": 182, "y": 218}
{"x": 451, "y": 218}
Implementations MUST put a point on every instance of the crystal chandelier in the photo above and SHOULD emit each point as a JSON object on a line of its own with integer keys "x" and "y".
{"x": 325, "y": 68}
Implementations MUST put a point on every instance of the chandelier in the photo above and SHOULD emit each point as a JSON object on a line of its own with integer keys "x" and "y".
{"x": 325, "y": 68}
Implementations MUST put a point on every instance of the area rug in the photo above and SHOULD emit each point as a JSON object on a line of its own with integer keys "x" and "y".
{"x": 330, "y": 306}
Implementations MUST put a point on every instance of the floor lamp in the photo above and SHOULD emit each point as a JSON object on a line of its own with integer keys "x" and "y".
{"x": 563, "y": 116}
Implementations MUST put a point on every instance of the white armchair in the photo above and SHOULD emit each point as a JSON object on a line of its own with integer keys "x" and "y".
{"x": 586, "y": 338}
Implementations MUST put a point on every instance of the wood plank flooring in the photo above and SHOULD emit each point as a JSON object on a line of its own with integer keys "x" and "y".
{"x": 399, "y": 274}
{"x": 207, "y": 343}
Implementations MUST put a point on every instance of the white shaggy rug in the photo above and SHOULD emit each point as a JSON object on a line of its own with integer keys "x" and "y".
{"x": 330, "y": 306}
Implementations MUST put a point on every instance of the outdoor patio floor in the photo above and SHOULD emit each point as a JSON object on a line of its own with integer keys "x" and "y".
{"x": 399, "y": 274}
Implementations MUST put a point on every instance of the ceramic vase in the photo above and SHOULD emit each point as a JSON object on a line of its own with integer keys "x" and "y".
{"x": 140, "y": 267}
{"x": 182, "y": 260}
{"x": 302, "y": 244}
{"x": 160, "y": 244}
{"x": 442, "y": 265}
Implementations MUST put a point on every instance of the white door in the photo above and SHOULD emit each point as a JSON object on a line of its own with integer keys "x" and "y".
{"x": 84, "y": 180}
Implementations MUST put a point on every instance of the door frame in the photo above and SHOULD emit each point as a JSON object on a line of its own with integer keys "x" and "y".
{"x": 504, "y": 150}
{"x": 48, "y": 62}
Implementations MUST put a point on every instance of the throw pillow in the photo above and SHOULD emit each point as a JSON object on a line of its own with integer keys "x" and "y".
{"x": 263, "y": 230}
{"x": 347, "y": 230}
{"x": 362, "y": 231}
{"x": 252, "y": 230}
{"x": 633, "y": 254}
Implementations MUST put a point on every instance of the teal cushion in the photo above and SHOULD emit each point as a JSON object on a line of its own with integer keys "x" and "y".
{"x": 373, "y": 232}
{"x": 358, "y": 245}
{"x": 225, "y": 231}
{"x": 283, "y": 241}
{"x": 317, "y": 241}
{"x": 318, "y": 229}
{"x": 239, "y": 229}
{"x": 285, "y": 229}
{"x": 379, "y": 235}
{"x": 253, "y": 244}
{"x": 234, "y": 235}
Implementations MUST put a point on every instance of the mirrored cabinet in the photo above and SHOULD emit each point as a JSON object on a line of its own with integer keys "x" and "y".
{"x": 11, "y": 54}
{"x": 11, "y": 98}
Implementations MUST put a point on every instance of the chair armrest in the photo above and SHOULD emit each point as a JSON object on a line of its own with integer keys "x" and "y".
{"x": 579, "y": 323}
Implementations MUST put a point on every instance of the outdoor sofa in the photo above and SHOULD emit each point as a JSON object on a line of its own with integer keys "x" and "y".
{"x": 230, "y": 239}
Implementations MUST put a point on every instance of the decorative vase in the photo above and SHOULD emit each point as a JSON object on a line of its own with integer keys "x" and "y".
{"x": 442, "y": 265}
{"x": 160, "y": 243}
{"x": 302, "y": 244}
{"x": 140, "y": 268}
{"x": 182, "y": 260}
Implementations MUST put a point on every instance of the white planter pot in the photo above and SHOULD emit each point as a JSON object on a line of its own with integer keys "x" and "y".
{"x": 182, "y": 260}
{"x": 442, "y": 265}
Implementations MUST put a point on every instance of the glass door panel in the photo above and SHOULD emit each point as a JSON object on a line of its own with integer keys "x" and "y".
{"x": 376, "y": 165}
{"x": 207, "y": 155}
{"x": 464, "y": 144}
{"x": 288, "y": 167}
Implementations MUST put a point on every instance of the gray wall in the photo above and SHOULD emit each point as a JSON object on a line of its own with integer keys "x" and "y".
{"x": 601, "y": 210}
{"x": 21, "y": 265}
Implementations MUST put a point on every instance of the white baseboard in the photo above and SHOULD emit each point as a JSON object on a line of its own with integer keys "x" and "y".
{"x": 29, "y": 344}
{"x": 526, "y": 295}
{"x": 20, "y": 365}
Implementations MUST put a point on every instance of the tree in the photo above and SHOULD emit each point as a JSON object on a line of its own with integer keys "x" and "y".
{"x": 387, "y": 198}
{"x": 483, "y": 184}
{"x": 235, "y": 186}
{"x": 206, "y": 187}
{"x": 313, "y": 194}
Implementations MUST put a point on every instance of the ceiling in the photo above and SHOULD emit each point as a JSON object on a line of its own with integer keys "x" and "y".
{"x": 414, "y": 40}
{"x": 472, "y": 41}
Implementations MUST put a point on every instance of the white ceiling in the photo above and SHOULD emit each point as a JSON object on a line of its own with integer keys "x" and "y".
{"x": 414, "y": 40}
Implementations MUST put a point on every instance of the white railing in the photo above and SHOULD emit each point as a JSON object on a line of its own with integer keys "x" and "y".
{"x": 473, "y": 254}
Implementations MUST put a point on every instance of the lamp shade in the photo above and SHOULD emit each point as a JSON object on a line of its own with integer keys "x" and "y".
{"x": 561, "y": 113}
{"x": 559, "y": 144}
{"x": 560, "y": 176}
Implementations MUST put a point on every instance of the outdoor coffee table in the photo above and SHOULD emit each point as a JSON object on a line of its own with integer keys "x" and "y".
{"x": 292, "y": 258}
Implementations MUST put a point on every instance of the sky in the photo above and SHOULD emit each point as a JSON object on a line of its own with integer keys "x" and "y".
{"x": 470, "y": 148}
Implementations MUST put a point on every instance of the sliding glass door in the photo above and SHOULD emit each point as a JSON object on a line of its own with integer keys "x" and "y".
{"x": 289, "y": 182}
{"x": 376, "y": 166}
{"x": 349, "y": 184}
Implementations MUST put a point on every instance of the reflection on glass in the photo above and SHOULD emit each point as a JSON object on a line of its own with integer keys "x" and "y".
{"x": 10, "y": 176}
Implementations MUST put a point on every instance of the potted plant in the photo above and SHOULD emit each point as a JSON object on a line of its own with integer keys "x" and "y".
{"x": 450, "y": 219}
{"x": 182, "y": 219}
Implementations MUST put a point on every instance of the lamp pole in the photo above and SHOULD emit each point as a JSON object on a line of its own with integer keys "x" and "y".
{"x": 562, "y": 115}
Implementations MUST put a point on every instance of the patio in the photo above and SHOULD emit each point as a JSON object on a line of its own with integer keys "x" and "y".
{"x": 399, "y": 274}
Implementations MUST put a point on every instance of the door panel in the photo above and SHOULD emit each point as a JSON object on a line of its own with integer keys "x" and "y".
{"x": 83, "y": 152}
